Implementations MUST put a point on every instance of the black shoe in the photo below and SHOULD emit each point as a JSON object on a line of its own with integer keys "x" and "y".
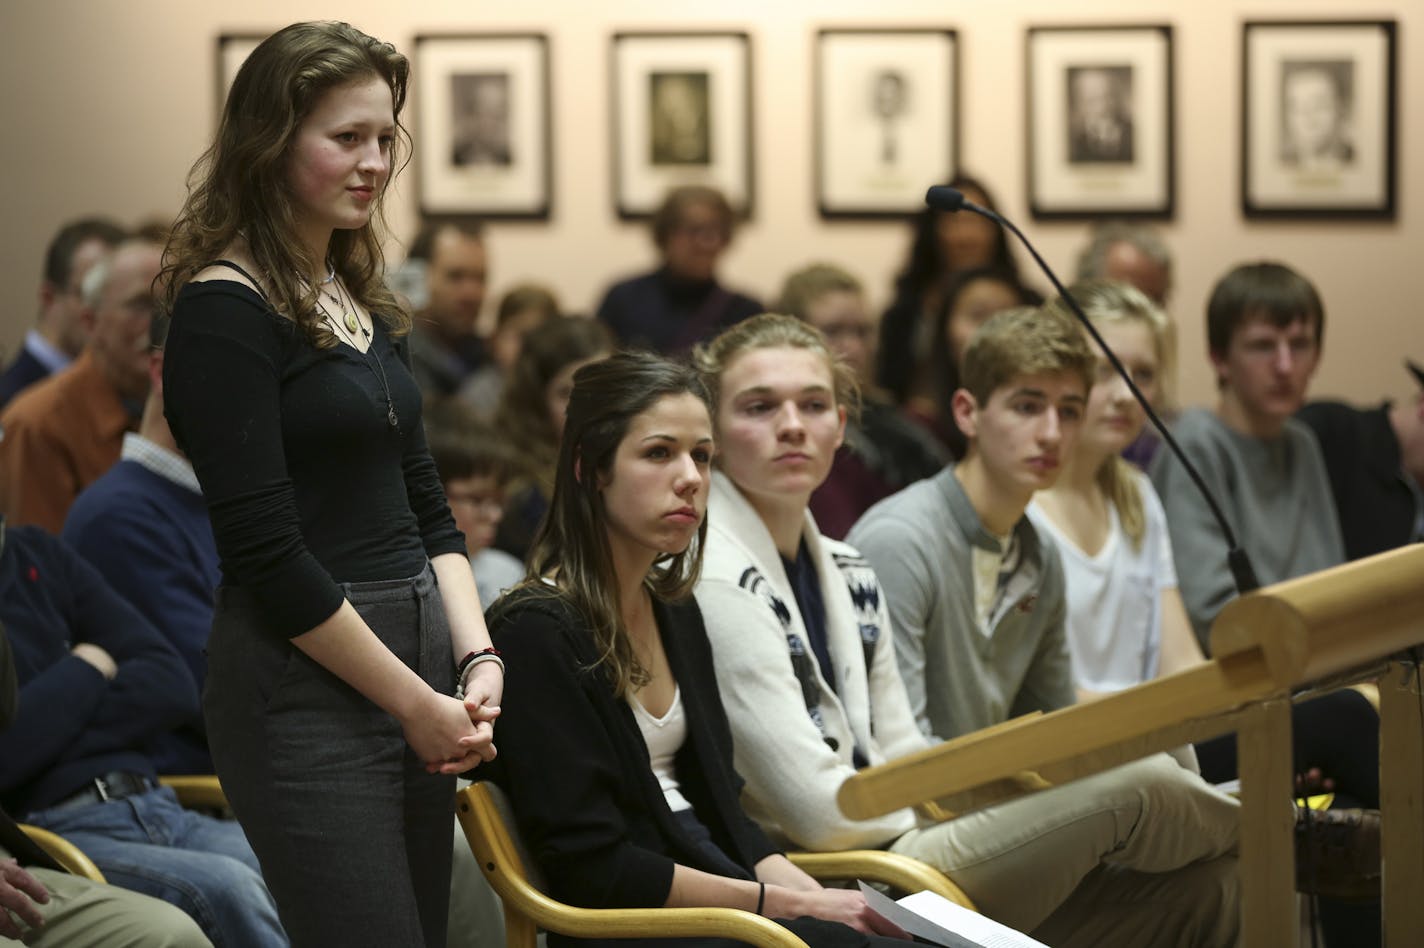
{"x": 1337, "y": 854}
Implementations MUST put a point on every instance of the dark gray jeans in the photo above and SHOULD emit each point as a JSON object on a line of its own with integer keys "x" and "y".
{"x": 353, "y": 835}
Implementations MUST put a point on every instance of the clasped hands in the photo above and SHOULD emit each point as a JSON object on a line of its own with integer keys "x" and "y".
{"x": 453, "y": 735}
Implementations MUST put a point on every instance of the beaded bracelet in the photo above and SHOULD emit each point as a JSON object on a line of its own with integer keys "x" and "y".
{"x": 462, "y": 671}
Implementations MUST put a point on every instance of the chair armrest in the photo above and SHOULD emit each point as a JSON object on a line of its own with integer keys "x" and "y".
{"x": 901, "y": 872}
{"x": 69, "y": 856}
{"x": 494, "y": 850}
{"x": 197, "y": 791}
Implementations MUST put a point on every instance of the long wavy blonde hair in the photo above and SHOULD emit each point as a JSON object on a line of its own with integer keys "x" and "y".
{"x": 1109, "y": 302}
{"x": 239, "y": 187}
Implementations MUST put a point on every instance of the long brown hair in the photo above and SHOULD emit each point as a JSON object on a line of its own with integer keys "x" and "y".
{"x": 239, "y": 188}
{"x": 572, "y": 544}
{"x": 522, "y": 418}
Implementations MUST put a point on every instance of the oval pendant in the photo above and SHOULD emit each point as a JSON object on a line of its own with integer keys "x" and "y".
{"x": 391, "y": 417}
{"x": 351, "y": 324}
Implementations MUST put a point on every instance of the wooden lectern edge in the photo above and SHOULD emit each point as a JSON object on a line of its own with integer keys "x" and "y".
{"x": 1307, "y": 628}
{"x": 1286, "y": 635}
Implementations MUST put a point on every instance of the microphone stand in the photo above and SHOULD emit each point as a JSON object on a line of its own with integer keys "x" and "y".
{"x": 949, "y": 199}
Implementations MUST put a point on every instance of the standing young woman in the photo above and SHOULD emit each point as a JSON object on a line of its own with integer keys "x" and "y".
{"x": 333, "y": 656}
{"x": 613, "y": 743}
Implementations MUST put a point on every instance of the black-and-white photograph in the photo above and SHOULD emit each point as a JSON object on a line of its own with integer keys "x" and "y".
{"x": 1099, "y": 113}
{"x": 1317, "y": 96}
{"x": 480, "y": 118}
{"x": 681, "y": 118}
{"x": 1100, "y": 121}
{"x": 889, "y": 101}
{"x": 886, "y": 119}
{"x": 481, "y": 128}
{"x": 1318, "y": 119}
{"x": 682, "y": 109}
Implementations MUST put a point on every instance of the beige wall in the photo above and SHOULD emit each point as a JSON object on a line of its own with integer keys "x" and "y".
{"x": 107, "y": 102}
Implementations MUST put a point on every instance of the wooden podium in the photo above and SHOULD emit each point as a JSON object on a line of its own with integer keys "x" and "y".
{"x": 1340, "y": 625}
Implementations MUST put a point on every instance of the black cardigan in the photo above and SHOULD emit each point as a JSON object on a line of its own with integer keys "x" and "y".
{"x": 576, "y": 768}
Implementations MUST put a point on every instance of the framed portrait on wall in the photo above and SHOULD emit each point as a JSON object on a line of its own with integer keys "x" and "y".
{"x": 1318, "y": 119}
{"x": 233, "y": 50}
{"x": 682, "y": 114}
{"x": 1100, "y": 121}
{"x": 887, "y": 119}
{"x": 482, "y": 125}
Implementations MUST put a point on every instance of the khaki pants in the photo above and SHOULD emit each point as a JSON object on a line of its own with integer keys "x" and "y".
{"x": 1143, "y": 854}
{"x": 84, "y": 914}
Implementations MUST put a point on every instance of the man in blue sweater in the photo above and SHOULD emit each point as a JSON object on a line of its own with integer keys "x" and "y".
{"x": 46, "y": 907}
{"x": 97, "y": 685}
{"x": 144, "y": 527}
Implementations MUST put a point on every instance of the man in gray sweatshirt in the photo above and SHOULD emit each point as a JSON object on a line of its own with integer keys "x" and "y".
{"x": 1264, "y": 329}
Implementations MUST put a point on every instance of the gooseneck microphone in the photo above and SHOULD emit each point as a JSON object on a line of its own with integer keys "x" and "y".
{"x": 944, "y": 198}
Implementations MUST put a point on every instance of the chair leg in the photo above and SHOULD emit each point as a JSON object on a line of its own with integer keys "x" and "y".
{"x": 519, "y": 931}
{"x": 1267, "y": 864}
{"x": 1402, "y": 803}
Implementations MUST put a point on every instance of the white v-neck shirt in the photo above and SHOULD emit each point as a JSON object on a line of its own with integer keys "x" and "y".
{"x": 664, "y": 737}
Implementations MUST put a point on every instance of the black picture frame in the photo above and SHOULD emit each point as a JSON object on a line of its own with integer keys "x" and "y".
{"x": 231, "y": 51}
{"x": 483, "y": 126}
{"x": 1100, "y": 121}
{"x": 681, "y": 115}
{"x": 1319, "y": 119}
{"x": 886, "y": 118}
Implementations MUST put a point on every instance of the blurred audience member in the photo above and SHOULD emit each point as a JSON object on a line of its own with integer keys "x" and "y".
{"x": 521, "y": 309}
{"x": 62, "y": 433}
{"x": 474, "y": 467}
{"x": 1265, "y": 326}
{"x": 969, "y": 298}
{"x": 681, "y": 302}
{"x": 445, "y": 346}
{"x": 97, "y": 685}
{"x": 883, "y": 450}
{"x": 1132, "y": 253}
{"x": 1375, "y": 459}
{"x": 1135, "y": 254}
{"x": 60, "y": 331}
{"x": 531, "y": 417}
{"x": 45, "y": 907}
{"x": 145, "y": 528}
{"x": 943, "y": 244}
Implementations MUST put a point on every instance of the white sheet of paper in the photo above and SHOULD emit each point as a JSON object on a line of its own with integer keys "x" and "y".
{"x": 936, "y": 919}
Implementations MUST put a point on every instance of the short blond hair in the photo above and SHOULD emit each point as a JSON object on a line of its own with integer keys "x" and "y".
{"x": 807, "y": 285}
{"x": 1112, "y": 302}
{"x": 1023, "y": 341}
{"x": 774, "y": 331}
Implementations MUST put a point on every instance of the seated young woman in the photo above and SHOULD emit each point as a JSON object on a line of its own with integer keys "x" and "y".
{"x": 614, "y": 746}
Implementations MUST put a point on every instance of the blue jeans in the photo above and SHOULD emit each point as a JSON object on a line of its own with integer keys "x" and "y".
{"x": 148, "y": 843}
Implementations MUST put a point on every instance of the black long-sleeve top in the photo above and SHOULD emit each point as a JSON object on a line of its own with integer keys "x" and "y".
{"x": 307, "y": 484}
{"x": 577, "y": 770}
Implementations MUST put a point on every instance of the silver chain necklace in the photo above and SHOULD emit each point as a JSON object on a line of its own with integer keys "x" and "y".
{"x": 351, "y": 326}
